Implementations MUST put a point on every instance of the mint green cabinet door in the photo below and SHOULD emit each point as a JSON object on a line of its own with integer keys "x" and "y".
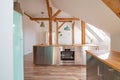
{"x": 48, "y": 55}
{"x": 18, "y": 46}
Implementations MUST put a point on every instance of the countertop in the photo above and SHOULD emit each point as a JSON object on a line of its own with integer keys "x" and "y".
{"x": 66, "y": 45}
{"x": 111, "y": 58}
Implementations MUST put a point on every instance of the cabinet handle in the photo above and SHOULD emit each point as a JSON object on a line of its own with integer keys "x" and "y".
{"x": 98, "y": 71}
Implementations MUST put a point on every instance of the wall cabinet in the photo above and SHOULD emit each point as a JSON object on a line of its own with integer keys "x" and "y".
{"x": 96, "y": 70}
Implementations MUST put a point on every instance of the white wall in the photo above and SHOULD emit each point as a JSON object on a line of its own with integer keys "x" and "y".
{"x": 31, "y": 34}
{"x": 6, "y": 53}
{"x": 66, "y": 37}
{"x": 115, "y": 41}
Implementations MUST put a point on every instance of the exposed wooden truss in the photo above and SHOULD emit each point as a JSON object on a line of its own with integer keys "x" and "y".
{"x": 53, "y": 18}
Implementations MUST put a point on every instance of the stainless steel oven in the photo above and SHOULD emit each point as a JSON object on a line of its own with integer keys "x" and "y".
{"x": 67, "y": 54}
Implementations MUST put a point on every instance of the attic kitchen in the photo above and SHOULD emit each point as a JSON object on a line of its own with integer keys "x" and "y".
{"x": 65, "y": 40}
{"x": 50, "y": 52}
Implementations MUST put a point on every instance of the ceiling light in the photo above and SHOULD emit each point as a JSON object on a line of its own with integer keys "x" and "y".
{"x": 42, "y": 24}
{"x": 67, "y": 28}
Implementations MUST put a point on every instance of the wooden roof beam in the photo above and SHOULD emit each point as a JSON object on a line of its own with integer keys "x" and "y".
{"x": 66, "y": 19}
{"x": 39, "y": 18}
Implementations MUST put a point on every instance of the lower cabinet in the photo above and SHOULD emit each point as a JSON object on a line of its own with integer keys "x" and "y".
{"x": 116, "y": 75}
{"x": 43, "y": 55}
{"x": 108, "y": 73}
{"x": 96, "y": 70}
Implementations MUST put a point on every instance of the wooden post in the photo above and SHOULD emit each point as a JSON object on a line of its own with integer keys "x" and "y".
{"x": 50, "y": 21}
{"x": 57, "y": 33}
{"x": 73, "y": 40}
{"x": 83, "y": 26}
{"x": 50, "y": 27}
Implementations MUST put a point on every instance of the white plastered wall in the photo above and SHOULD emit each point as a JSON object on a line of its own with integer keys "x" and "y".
{"x": 6, "y": 41}
{"x": 31, "y": 34}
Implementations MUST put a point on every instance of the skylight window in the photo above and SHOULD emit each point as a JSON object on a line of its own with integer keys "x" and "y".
{"x": 98, "y": 32}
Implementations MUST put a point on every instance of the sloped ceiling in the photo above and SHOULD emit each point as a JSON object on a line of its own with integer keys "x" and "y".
{"x": 114, "y": 5}
{"x": 35, "y": 7}
{"x": 94, "y": 12}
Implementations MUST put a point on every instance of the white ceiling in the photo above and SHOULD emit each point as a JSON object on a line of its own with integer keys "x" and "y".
{"x": 35, "y": 7}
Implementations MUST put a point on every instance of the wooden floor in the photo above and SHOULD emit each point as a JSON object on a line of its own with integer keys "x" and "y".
{"x": 33, "y": 72}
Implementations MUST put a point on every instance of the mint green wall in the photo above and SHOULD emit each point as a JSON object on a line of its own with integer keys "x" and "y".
{"x": 18, "y": 46}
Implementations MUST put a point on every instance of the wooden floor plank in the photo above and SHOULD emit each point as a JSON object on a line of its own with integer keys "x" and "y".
{"x": 33, "y": 72}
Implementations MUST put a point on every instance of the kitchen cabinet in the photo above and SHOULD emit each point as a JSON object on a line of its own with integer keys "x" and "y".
{"x": 98, "y": 70}
{"x": 43, "y": 55}
{"x": 116, "y": 75}
{"x": 38, "y": 55}
{"x": 108, "y": 73}
{"x": 94, "y": 68}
